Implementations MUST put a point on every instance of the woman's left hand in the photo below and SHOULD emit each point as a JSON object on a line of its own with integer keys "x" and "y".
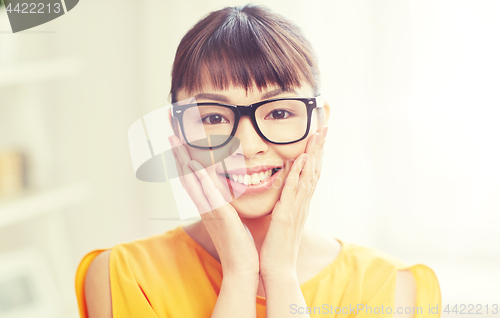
{"x": 279, "y": 251}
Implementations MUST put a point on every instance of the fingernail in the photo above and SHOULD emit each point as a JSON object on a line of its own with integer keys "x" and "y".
{"x": 173, "y": 141}
{"x": 323, "y": 133}
{"x": 304, "y": 158}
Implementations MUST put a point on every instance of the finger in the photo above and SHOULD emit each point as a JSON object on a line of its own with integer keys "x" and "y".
{"x": 311, "y": 148}
{"x": 209, "y": 188}
{"x": 195, "y": 191}
{"x": 286, "y": 209}
{"x": 312, "y": 143}
{"x": 181, "y": 151}
{"x": 315, "y": 165}
{"x": 222, "y": 219}
{"x": 181, "y": 154}
{"x": 323, "y": 132}
{"x": 186, "y": 175}
{"x": 308, "y": 180}
{"x": 292, "y": 180}
{"x": 184, "y": 159}
{"x": 180, "y": 171}
{"x": 320, "y": 150}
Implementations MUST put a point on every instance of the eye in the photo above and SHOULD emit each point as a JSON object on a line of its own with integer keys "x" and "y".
{"x": 214, "y": 119}
{"x": 278, "y": 114}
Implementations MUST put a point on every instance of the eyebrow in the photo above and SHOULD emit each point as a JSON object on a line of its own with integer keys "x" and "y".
{"x": 216, "y": 97}
{"x": 277, "y": 92}
{"x": 224, "y": 99}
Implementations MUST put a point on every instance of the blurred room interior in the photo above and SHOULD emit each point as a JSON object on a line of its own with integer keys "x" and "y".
{"x": 411, "y": 165}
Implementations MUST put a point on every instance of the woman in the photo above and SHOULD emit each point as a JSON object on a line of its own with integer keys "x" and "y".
{"x": 249, "y": 255}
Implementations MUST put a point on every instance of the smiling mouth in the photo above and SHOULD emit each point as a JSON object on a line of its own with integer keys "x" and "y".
{"x": 254, "y": 178}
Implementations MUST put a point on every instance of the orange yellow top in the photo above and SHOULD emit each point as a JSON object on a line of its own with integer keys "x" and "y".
{"x": 171, "y": 275}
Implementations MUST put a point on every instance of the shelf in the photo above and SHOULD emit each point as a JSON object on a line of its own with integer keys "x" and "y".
{"x": 20, "y": 208}
{"x": 39, "y": 71}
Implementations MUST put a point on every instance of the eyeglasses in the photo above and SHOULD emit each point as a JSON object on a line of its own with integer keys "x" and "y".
{"x": 278, "y": 121}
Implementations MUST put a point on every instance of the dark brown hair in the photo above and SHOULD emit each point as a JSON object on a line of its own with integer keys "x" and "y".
{"x": 242, "y": 46}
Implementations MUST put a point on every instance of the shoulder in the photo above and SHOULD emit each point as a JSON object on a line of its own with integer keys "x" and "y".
{"x": 368, "y": 259}
{"x": 147, "y": 254}
{"x": 97, "y": 287}
{"x": 381, "y": 275}
{"x": 100, "y": 271}
{"x": 381, "y": 272}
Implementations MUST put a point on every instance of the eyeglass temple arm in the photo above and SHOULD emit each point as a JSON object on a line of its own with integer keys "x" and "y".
{"x": 319, "y": 101}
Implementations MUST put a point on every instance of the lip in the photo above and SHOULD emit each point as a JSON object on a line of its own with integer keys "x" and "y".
{"x": 239, "y": 188}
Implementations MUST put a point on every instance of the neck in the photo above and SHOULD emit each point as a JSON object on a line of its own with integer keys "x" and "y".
{"x": 258, "y": 227}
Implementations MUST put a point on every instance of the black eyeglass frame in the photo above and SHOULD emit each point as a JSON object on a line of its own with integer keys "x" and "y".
{"x": 239, "y": 111}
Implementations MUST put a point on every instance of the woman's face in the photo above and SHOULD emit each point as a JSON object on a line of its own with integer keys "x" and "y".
{"x": 271, "y": 162}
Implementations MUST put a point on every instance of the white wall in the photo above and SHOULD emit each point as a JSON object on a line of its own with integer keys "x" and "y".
{"x": 412, "y": 151}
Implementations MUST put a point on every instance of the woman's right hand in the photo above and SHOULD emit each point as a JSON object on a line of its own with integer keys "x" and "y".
{"x": 231, "y": 238}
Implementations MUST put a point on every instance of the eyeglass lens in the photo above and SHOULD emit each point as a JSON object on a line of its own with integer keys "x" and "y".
{"x": 279, "y": 121}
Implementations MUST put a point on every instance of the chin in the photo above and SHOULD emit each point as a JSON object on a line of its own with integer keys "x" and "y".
{"x": 253, "y": 215}
{"x": 251, "y": 208}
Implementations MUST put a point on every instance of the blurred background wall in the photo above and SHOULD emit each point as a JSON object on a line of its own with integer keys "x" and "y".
{"x": 411, "y": 162}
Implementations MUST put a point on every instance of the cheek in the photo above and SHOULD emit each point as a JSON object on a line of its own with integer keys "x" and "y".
{"x": 292, "y": 151}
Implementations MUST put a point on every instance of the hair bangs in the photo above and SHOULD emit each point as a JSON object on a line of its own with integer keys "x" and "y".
{"x": 243, "y": 47}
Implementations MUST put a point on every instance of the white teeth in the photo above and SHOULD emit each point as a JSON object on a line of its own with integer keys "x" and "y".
{"x": 254, "y": 178}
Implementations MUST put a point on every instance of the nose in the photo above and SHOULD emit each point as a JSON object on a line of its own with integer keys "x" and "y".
{"x": 251, "y": 143}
